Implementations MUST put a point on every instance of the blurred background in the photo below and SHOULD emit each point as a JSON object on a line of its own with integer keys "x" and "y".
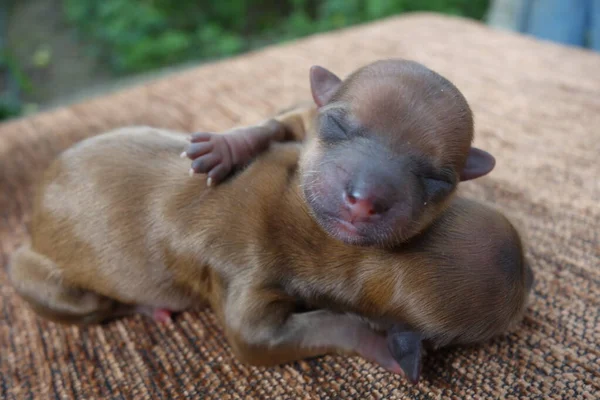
{"x": 55, "y": 52}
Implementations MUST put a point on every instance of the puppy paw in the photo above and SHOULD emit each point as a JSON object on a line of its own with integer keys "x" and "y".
{"x": 160, "y": 315}
{"x": 373, "y": 347}
{"x": 211, "y": 155}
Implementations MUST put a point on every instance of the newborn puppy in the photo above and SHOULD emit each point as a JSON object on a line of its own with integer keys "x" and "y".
{"x": 386, "y": 149}
{"x": 111, "y": 238}
{"x": 128, "y": 235}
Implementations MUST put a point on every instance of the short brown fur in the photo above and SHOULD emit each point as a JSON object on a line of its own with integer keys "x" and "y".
{"x": 113, "y": 233}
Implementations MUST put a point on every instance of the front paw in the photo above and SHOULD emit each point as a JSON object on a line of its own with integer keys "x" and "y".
{"x": 210, "y": 154}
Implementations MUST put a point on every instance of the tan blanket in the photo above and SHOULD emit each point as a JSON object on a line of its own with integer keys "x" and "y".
{"x": 537, "y": 108}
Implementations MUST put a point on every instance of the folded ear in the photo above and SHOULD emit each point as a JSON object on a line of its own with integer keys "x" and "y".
{"x": 323, "y": 84}
{"x": 479, "y": 163}
{"x": 407, "y": 350}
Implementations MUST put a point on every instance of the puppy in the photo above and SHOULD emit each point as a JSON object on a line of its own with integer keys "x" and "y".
{"x": 385, "y": 150}
{"x": 117, "y": 228}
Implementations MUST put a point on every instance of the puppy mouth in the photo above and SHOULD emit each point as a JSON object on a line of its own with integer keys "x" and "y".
{"x": 345, "y": 231}
{"x": 346, "y": 227}
{"x": 340, "y": 226}
{"x": 357, "y": 233}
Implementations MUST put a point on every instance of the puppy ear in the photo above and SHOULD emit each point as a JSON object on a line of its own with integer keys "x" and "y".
{"x": 407, "y": 350}
{"x": 479, "y": 163}
{"x": 323, "y": 84}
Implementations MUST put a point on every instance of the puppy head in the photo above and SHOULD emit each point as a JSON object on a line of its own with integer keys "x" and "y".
{"x": 393, "y": 141}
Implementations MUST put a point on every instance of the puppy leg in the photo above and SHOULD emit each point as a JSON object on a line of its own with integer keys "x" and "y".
{"x": 218, "y": 154}
{"x": 39, "y": 282}
{"x": 271, "y": 333}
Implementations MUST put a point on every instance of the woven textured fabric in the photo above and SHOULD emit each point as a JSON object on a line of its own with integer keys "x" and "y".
{"x": 537, "y": 109}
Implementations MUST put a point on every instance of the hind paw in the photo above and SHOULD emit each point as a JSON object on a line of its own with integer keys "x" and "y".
{"x": 160, "y": 315}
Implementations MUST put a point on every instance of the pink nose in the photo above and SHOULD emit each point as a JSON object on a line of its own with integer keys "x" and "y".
{"x": 361, "y": 208}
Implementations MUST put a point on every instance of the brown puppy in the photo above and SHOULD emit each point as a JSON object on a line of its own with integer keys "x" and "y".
{"x": 386, "y": 150}
{"x": 112, "y": 233}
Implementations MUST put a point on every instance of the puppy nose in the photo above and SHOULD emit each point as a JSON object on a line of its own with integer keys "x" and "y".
{"x": 363, "y": 204}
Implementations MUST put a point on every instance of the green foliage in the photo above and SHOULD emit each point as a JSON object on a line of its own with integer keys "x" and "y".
{"x": 9, "y": 108}
{"x": 145, "y": 34}
{"x": 15, "y": 81}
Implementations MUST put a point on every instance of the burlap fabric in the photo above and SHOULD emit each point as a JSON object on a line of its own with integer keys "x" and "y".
{"x": 537, "y": 108}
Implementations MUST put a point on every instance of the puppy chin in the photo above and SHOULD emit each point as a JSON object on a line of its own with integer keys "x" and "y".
{"x": 365, "y": 234}
{"x": 351, "y": 239}
{"x": 347, "y": 233}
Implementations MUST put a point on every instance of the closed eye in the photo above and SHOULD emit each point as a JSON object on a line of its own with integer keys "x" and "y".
{"x": 436, "y": 189}
{"x": 337, "y": 123}
{"x": 439, "y": 184}
{"x": 332, "y": 130}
